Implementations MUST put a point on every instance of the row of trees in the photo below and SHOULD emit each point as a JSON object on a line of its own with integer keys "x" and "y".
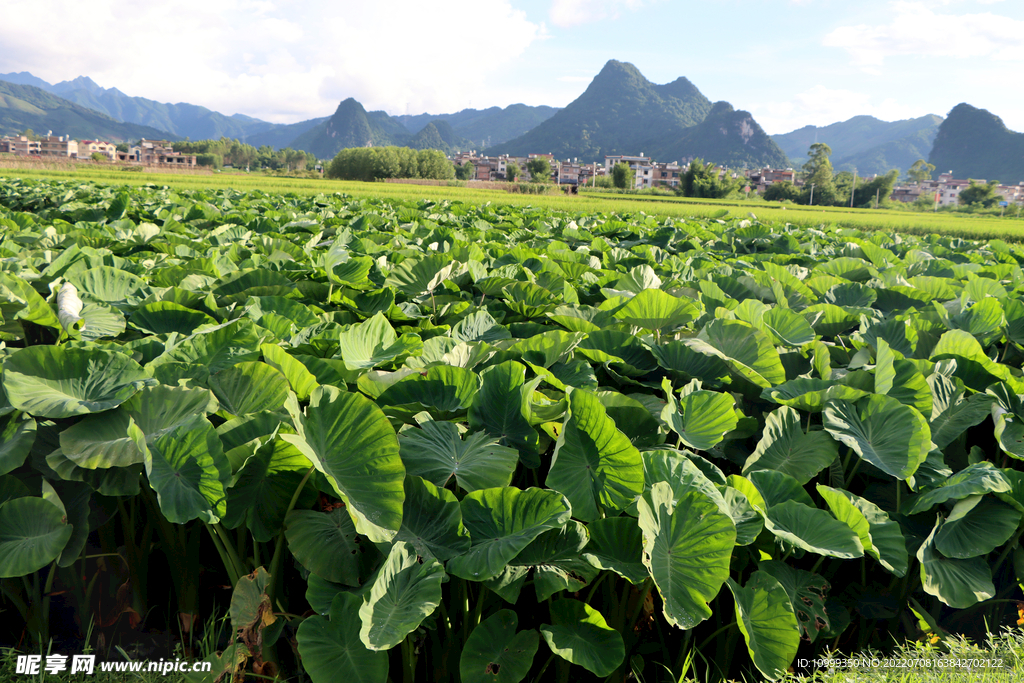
{"x": 823, "y": 187}
{"x": 379, "y": 163}
{"x": 226, "y": 151}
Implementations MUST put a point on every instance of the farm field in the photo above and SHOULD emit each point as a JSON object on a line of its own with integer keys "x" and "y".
{"x": 977, "y": 227}
{"x": 448, "y": 435}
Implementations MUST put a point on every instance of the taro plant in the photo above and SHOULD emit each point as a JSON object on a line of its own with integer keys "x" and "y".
{"x": 438, "y": 441}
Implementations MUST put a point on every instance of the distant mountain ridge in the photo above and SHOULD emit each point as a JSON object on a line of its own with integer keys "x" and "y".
{"x": 975, "y": 143}
{"x": 621, "y": 112}
{"x": 485, "y": 127}
{"x": 181, "y": 120}
{"x": 352, "y": 126}
{"x": 865, "y": 143}
{"x": 27, "y": 106}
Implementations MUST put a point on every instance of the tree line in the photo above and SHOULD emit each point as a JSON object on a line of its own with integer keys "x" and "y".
{"x": 823, "y": 187}
{"x": 380, "y": 163}
{"x": 230, "y": 152}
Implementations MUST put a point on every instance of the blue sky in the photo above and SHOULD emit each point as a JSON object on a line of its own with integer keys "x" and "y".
{"x": 789, "y": 62}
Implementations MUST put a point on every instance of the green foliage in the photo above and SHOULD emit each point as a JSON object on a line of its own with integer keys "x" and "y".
{"x": 377, "y": 163}
{"x": 217, "y": 153}
{"x": 539, "y": 170}
{"x": 978, "y": 194}
{"x": 398, "y": 427}
{"x": 465, "y": 171}
{"x": 512, "y": 171}
{"x": 782, "y": 192}
{"x": 920, "y": 171}
{"x": 707, "y": 182}
{"x": 621, "y": 175}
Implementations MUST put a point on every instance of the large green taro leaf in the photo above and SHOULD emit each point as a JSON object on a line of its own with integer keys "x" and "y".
{"x": 102, "y": 440}
{"x": 249, "y": 388}
{"x": 700, "y": 418}
{"x": 891, "y": 436}
{"x": 164, "y": 317}
{"x": 957, "y": 583}
{"x": 688, "y": 543}
{"x": 351, "y": 442}
{"x": 419, "y": 277}
{"x": 479, "y": 326}
{"x": 748, "y": 351}
{"x": 953, "y": 412}
{"x": 556, "y": 560}
{"x": 327, "y": 545}
{"x": 765, "y": 616}
{"x": 300, "y": 379}
{"x": 332, "y": 651}
{"x": 973, "y": 480}
{"x": 501, "y": 523}
{"x": 188, "y": 470}
{"x": 215, "y": 348}
{"x": 973, "y": 366}
{"x": 787, "y": 327}
{"x": 33, "y": 533}
{"x": 616, "y": 544}
{"x": 810, "y": 394}
{"x": 432, "y": 521}
{"x": 444, "y": 391}
{"x": 105, "y": 283}
{"x": 579, "y": 634}
{"x": 807, "y": 593}
{"x": 406, "y": 591}
{"x": 495, "y": 653}
{"x": 901, "y": 380}
{"x": 880, "y": 535}
{"x": 594, "y": 464}
{"x": 374, "y": 342}
{"x": 813, "y": 530}
{"x": 502, "y": 407}
{"x": 786, "y": 447}
{"x": 656, "y": 309}
{"x": 57, "y": 382}
{"x": 975, "y": 527}
{"x": 437, "y": 452}
{"x": 264, "y": 486}
{"x": 16, "y": 439}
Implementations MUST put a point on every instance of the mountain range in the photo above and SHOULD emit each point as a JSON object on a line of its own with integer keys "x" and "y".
{"x": 620, "y": 112}
{"x": 975, "y": 143}
{"x": 864, "y": 143}
{"x": 26, "y": 106}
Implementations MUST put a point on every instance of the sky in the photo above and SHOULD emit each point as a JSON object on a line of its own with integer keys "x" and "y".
{"x": 791, "y": 63}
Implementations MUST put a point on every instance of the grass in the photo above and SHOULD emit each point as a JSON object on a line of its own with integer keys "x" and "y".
{"x": 216, "y": 628}
{"x": 969, "y": 226}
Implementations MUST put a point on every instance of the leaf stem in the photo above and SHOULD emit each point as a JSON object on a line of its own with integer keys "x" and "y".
{"x": 278, "y": 558}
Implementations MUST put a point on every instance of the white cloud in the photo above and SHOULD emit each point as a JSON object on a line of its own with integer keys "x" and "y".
{"x": 566, "y": 13}
{"x": 273, "y": 59}
{"x": 915, "y": 29}
{"x": 821, "y": 106}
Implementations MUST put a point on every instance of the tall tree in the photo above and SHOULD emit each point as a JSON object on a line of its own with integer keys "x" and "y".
{"x": 706, "y": 181}
{"x": 819, "y": 186}
{"x": 512, "y": 171}
{"x": 978, "y": 194}
{"x": 920, "y": 171}
{"x": 539, "y": 170}
{"x": 620, "y": 175}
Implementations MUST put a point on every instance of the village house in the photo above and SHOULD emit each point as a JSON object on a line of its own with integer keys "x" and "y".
{"x": 20, "y": 145}
{"x": 666, "y": 174}
{"x": 641, "y": 166}
{"x": 156, "y": 153}
{"x": 86, "y": 148}
{"x": 58, "y": 146}
{"x": 945, "y": 191}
